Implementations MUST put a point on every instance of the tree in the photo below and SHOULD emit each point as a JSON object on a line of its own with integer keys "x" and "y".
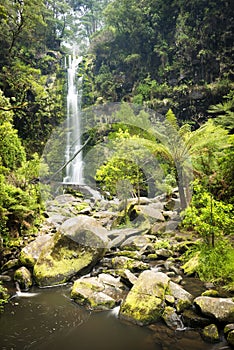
{"x": 224, "y": 112}
{"x": 124, "y": 164}
{"x": 183, "y": 148}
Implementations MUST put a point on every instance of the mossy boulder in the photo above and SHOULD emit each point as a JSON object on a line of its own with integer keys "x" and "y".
{"x": 31, "y": 252}
{"x": 230, "y": 338}
{"x": 122, "y": 262}
{"x": 171, "y": 318}
{"x": 220, "y": 308}
{"x": 79, "y": 244}
{"x": 23, "y": 277}
{"x": 191, "y": 266}
{"x": 152, "y": 213}
{"x": 98, "y": 293}
{"x": 144, "y": 303}
{"x": 211, "y": 334}
{"x": 229, "y": 333}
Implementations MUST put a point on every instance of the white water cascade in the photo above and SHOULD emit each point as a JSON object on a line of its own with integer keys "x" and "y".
{"x": 74, "y": 169}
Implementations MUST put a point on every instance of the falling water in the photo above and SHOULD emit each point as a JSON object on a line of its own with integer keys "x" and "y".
{"x": 74, "y": 169}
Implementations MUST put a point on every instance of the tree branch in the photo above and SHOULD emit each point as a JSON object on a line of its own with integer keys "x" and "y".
{"x": 69, "y": 161}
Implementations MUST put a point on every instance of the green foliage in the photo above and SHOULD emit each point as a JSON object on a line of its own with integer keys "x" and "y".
{"x": 12, "y": 152}
{"x": 163, "y": 54}
{"x": 122, "y": 165}
{"x": 224, "y": 112}
{"x": 4, "y": 296}
{"x": 18, "y": 209}
{"x": 209, "y": 218}
{"x": 215, "y": 264}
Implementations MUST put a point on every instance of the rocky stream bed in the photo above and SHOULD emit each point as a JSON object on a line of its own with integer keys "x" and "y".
{"x": 133, "y": 267}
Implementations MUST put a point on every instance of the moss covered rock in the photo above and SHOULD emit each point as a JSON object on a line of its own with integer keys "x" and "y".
{"x": 230, "y": 338}
{"x": 122, "y": 262}
{"x": 97, "y": 292}
{"x": 145, "y": 301}
{"x": 171, "y": 318}
{"x": 210, "y": 333}
{"x": 31, "y": 252}
{"x": 191, "y": 266}
{"x": 80, "y": 243}
{"x": 23, "y": 277}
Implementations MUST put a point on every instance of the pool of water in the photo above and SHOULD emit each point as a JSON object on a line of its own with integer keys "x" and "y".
{"x": 50, "y": 320}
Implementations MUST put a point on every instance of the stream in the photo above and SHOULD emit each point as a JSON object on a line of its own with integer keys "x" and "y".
{"x": 48, "y": 319}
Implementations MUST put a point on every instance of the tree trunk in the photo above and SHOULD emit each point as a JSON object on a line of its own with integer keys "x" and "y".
{"x": 180, "y": 184}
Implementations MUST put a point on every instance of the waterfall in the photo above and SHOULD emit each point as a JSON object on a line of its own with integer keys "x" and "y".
{"x": 74, "y": 169}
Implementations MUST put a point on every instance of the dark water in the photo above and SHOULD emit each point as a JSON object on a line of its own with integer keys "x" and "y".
{"x": 50, "y": 320}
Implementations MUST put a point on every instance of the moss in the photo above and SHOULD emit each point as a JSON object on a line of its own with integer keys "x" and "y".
{"x": 230, "y": 338}
{"x": 27, "y": 259}
{"x": 152, "y": 256}
{"x": 211, "y": 293}
{"x": 23, "y": 276}
{"x": 128, "y": 263}
{"x": 210, "y": 333}
{"x": 50, "y": 271}
{"x": 164, "y": 243}
{"x": 4, "y": 296}
{"x": 191, "y": 266}
{"x": 143, "y": 309}
{"x": 62, "y": 260}
{"x": 81, "y": 206}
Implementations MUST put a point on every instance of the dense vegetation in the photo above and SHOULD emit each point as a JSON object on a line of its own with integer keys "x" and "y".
{"x": 173, "y": 57}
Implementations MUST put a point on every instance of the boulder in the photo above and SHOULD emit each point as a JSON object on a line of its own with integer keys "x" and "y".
{"x": 118, "y": 236}
{"x": 152, "y": 213}
{"x": 220, "y": 308}
{"x": 31, "y": 252}
{"x": 5, "y": 278}
{"x": 171, "y": 318}
{"x": 10, "y": 264}
{"x": 183, "y": 299}
{"x": 211, "y": 334}
{"x": 145, "y": 302}
{"x": 99, "y": 293}
{"x": 79, "y": 244}
{"x": 191, "y": 266}
{"x": 158, "y": 228}
{"x": 163, "y": 253}
{"x": 105, "y": 218}
{"x": 192, "y": 319}
{"x": 135, "y": 242}
{"x": 56, "y": 219}
{"x": 229, "y": 333}
{"x": 128, "y": 277}
{"x": 23, "y": 277}
{"x": 230, "y": 338}
{"x": 122, "y": 262}
{"x": 86, "y": 231}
